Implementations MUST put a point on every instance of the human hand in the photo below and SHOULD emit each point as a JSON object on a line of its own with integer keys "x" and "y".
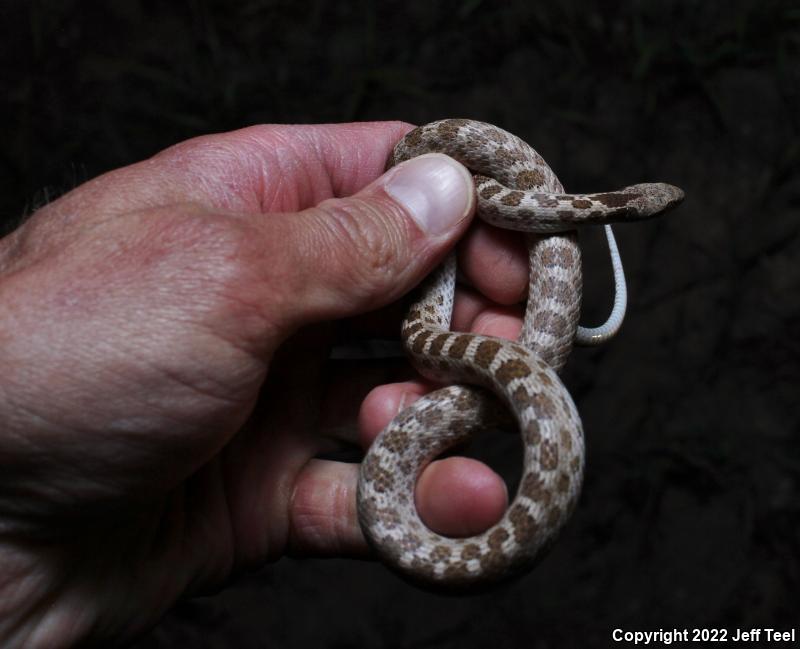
{"x": 164, "y": 337}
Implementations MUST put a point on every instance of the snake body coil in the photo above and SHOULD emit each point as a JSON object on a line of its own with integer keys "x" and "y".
{"x": 516, "y": 190}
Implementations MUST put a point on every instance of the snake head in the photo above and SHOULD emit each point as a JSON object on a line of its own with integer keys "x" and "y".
{"x": 654, "y": 198}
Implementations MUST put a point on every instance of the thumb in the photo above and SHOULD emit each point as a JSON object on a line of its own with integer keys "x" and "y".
{"x": 349, "y": 255}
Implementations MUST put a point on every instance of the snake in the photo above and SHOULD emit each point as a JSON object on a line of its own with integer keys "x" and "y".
{"x": 489, "y": 380}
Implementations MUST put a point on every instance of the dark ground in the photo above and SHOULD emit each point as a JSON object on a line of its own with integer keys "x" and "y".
{"x": 690, "y": 515}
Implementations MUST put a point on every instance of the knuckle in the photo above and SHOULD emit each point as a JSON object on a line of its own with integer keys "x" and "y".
{"x": 370, "y": 239}
{"x": 322, "y": 517}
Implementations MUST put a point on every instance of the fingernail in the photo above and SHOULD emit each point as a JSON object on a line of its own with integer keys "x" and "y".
{"x": 434, "y": 189}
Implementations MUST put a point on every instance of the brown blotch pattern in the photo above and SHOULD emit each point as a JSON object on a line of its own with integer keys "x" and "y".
{"x": 548, "y": 455}
{"x": 390, "y": 517}
{"x": 562, "y": 482}
{"x": 549, "y": 322}
{"x": 529, "y": 179}
{"x": 437, "y": 344}
{"x": 544, "y": 406}
{"x": 561, "y": 257}
{"x": 396, "y": 441}
{"x": 419, "y": 342}
{"x": 411, "y": 329}
{"x": 448, "y": 129}
{"x": 581, "y": 204}
{"x": 382, "y": 479}
{"x": 470, "y": 551}
{"x": 406, "y": 467}
{"x": 429, "y": 418}
{"x": 491, "y": 189}
{"x": 532, "y": 434}
{"x": 496, "y": 136}
{"x": 459, "y": 346}
{"x": 511, "y": 369}
{"x": 485, "y": 353}
{"x": 513, "y": 198}
{"x": 496, "y": 538}
{"x": 491, "y": 561}
{"x": 440, "y": 553}
{"x": 614, "y": 199}
{"x": 558, "y": 289}
{"x": 414, "y": 137}
{"x": 566, "y": 439}
{"x": 525, "y": 526}
{"x": 532, "y": 486}
{"x": 410, "y": 542}
{"x": 506, "y": 157}
{"x": 548, "y": 201}
{"x": 466, "y": 400}
{"x": 521, "y": 397}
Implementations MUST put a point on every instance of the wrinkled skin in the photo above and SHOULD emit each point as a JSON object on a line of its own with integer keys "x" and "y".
{"x": 164, "y": 336}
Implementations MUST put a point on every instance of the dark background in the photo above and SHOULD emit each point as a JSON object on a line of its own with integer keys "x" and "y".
{"x": 690, "y": 510}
